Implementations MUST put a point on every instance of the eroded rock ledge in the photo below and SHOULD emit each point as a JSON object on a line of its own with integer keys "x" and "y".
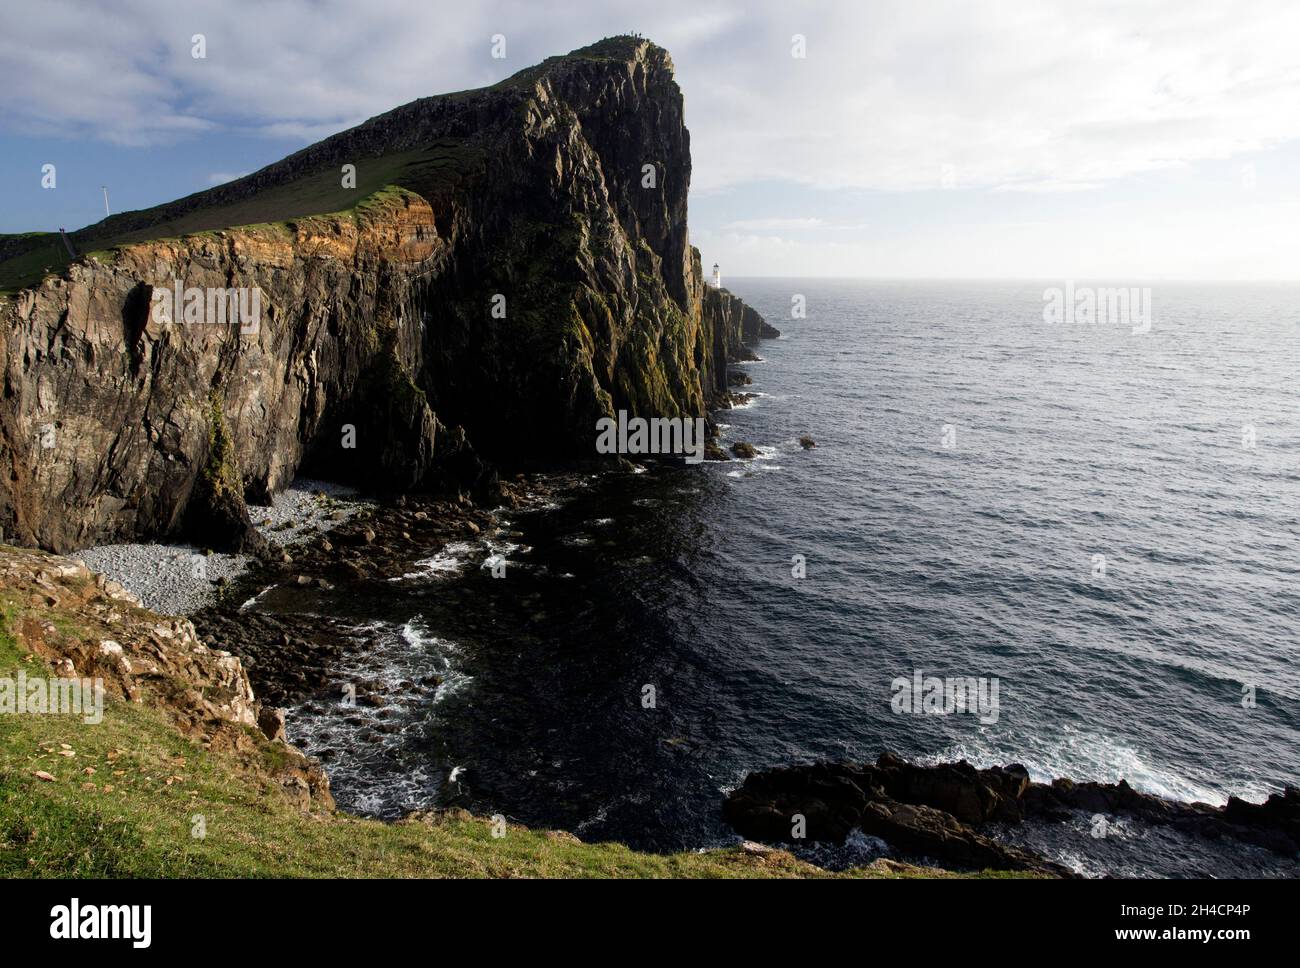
{"x": 938, "y": 811}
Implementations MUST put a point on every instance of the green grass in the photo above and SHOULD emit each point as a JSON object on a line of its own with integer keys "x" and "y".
{"x": 221, "y": 473}
{"x": 134, "y": 815}
{"x": 40, "y": 253}
{"x": 319, "y": 194}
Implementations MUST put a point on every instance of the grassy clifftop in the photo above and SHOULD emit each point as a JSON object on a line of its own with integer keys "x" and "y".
{"x": 130, "y": 796}
{"x": 308, "y": 182}
{"x": 28, "y": 257}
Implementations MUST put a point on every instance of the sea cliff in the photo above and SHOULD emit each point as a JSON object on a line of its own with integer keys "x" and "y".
{"x": 466, "y": 283}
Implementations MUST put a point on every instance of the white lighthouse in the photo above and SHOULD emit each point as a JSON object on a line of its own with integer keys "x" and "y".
{"x": 717, "y": 277}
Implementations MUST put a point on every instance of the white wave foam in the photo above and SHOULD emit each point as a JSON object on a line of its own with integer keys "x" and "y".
{"x": 380, "y": 695}
{"x": 1085, "y": 756}
{"x": 536, "y": 503}
{"x": 255, "y": 599}
{"x": 449, "y": 561}
{"x": 499, "y": 552}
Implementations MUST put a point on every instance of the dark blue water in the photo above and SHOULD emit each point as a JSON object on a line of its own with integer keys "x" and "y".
{"x": 972, "y": 463}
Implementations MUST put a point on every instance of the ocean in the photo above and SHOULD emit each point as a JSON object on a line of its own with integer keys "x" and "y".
{"x": 1100, "y": 519}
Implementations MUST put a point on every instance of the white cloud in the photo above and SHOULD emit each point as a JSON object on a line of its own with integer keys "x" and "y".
{"x": 1041, "y": 101}
{"x": 774, "y": 224}
{"x": 890, "y": 96}
{"x": 1048, "y": 187}
{"x": 124, "y": 71}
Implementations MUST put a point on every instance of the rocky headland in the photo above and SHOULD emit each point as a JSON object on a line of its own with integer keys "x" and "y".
{"x": 505, "y": 267}
{"x": 449, "y": 297}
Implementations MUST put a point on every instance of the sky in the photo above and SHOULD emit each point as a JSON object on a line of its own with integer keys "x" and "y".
{"x": 1145, "y": 139}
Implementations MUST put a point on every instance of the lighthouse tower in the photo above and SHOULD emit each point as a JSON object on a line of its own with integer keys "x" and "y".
{"x": 717, "y": 277}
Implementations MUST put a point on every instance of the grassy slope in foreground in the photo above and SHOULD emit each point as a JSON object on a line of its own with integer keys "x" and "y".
{"x": 123, "y": 805}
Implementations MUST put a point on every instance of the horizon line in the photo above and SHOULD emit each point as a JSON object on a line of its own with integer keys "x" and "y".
{"x": 1058, "y": 278}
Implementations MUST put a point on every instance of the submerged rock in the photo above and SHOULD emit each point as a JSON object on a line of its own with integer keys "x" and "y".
{"x": 713, "y": 452}
{"x": 743, "y": 450}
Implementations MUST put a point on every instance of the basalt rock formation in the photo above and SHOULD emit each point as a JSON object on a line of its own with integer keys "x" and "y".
{"x": 937, "y": 811}
{"x": 917, "y": 810}
{"x": 506, "y": 267}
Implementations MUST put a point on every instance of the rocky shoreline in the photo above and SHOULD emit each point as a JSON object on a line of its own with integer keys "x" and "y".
{"x": 187, "y": 774}
{"x": 179, "y": 579}
{"x": 382, "y": 361}
{"x": 947, "y": 813}
{"x": 375, "y": 544}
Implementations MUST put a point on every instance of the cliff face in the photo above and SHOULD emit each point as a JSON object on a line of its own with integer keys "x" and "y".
{"x": 525, "y": 272}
